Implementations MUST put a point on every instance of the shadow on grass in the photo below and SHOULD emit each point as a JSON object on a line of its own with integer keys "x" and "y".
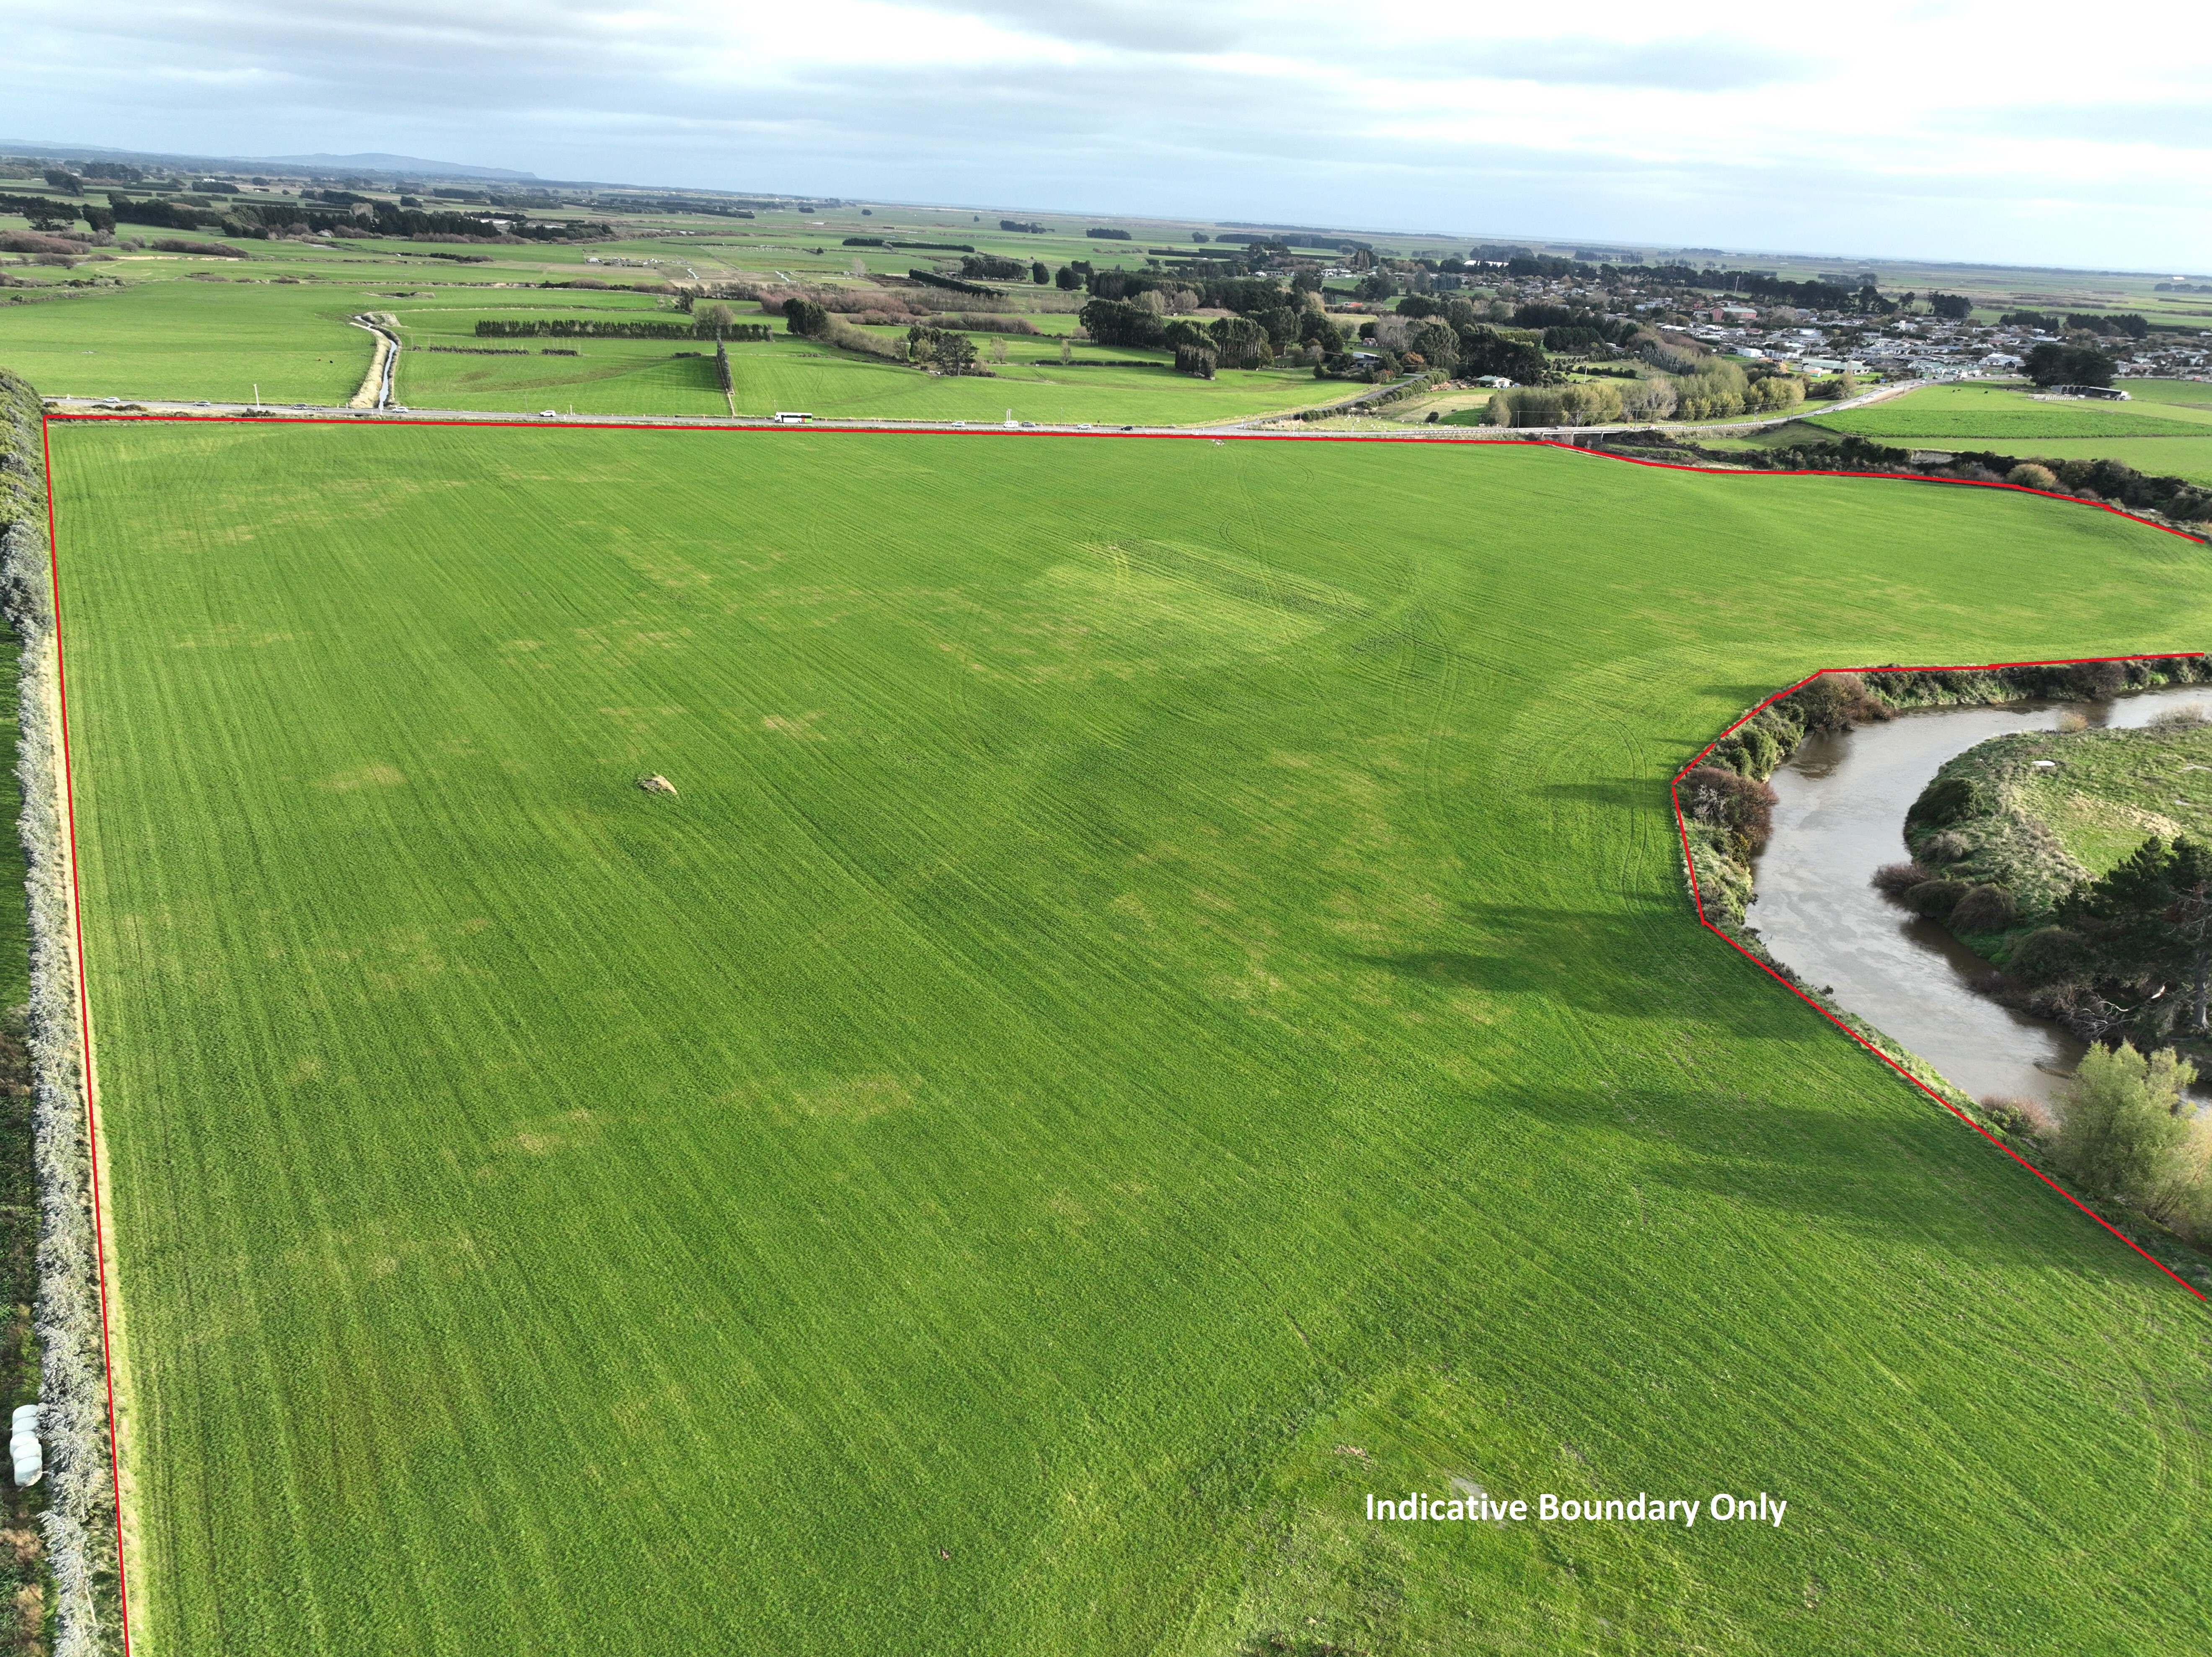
{"x": 1921, "y": 1176}
{"x": 1619, "y": 793}
{"x": 1648, "y": 959}
{"x": 1746, "y": 696}
{"x": 1861, "y": 1163}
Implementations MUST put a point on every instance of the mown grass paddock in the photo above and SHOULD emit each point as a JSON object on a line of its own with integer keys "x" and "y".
{"x": 219, "y": 337}
{"x": 2165, "y": 429}
{"x": 2158, "y": 457}
{"x": 1105, "y": 385}
{"x": 622, "y": 376}
{"x": 212, "y": 339}
{"x": 2009, "y": 413}
{"x": 1164, "y": 1002}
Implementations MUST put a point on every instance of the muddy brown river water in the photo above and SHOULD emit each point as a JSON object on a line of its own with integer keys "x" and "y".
{"x": 1841, "y": 817}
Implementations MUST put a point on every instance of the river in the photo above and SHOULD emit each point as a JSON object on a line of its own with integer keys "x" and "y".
{"x": 1841, "y": 816}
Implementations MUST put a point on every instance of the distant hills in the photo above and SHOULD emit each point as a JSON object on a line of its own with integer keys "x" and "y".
{"x": 371, "y": 162}
{"x": 375, "y": 162}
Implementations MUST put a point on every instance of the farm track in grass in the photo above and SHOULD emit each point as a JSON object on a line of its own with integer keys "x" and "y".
{"x": 1150, "y": 1016}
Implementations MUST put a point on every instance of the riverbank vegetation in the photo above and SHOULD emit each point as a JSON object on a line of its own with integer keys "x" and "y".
{"x": 1725, "y": 825}
{"x": 2106, "y": 933}
{"x": 24, "y": 1578}
{"x": 1722, "y": 819}
{"x": 66, "y": 1337}
{"x": 2079, "y": 862}
{"x": 1725, "y": 802}
{"x": 2131, "y": 1133}
{"x": 2183, "y": 502}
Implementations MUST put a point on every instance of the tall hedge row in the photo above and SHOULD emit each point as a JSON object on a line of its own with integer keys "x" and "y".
{"x": 79, "y": 1523}
{"x": 592, "y": 328}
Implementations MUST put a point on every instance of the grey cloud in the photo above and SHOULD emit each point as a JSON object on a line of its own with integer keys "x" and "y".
{"x": 1146, "y": 26}
{"x": 2162, "y": 126}
{"x": 564, "y": 92}
{"x": 307, "y": 73}
{"x": 1708, "y": 65}
{"x": 1705, "y": 64}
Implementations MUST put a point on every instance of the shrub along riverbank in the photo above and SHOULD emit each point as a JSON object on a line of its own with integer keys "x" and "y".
{"x": 2121, "y": 1104}
{"x": 1725, "y": 802}
{"x": 2174, "y": 500}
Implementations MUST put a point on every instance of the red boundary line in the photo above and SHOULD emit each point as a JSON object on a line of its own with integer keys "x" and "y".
{"x": 84, "y": 1029}
{"x": 1698, "y": 897}
{"x": 84, "y": 1014}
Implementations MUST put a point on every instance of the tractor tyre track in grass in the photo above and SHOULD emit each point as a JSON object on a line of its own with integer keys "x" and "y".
{"x": 998, "y": 979}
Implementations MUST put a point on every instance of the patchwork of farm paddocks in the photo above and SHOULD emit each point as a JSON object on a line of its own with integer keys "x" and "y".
{"x": 1164, "y": 1003}
{"x": 621, "y": 376}
{"x": 221, "y": 340}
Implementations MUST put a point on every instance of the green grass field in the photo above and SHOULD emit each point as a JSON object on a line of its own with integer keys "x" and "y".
{"x": 2112, "y": 790}
{"x": 646, "y": 377}
{"x": 625, "y": 376}
{"x": 2009, "y": 413}
{"x": 179, "y": 337}
{"x": 182, "y": 338}
{"x": 1165, "y": 1004}
{"x": 2158, "y": 457}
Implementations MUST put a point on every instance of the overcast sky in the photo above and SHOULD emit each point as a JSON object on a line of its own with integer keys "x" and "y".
{"x": 1997, "y": 133}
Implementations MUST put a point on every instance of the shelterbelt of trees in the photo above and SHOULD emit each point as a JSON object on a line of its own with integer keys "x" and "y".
{"x": 1445, "y": 335}
{"x": 323, "y": 213}
{"x": 1715, "y": 388}
{"x": 2186, "y": 504}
